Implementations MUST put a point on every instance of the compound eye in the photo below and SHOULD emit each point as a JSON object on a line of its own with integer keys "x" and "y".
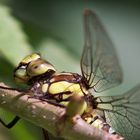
{"x": 20, "y": 76}
{"x": 29, "y": 58}
{"x": 38, "y": 67}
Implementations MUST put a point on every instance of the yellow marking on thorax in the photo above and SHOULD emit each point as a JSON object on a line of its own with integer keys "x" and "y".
{"x": 45, "y": 88}
{"x": 63, "y": 86}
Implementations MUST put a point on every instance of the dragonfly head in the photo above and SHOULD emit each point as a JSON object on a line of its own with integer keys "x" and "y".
{"x": 32, "y": 66}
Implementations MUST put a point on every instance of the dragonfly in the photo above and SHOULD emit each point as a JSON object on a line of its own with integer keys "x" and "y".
{"x": 100, "y": 71}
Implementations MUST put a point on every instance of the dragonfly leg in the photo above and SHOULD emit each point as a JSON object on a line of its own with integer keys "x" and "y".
{"x": 45, "y": 134}
{"x": 10, "y": 124}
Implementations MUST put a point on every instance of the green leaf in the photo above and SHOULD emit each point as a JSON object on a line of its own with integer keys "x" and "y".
{"x": 59, "y": 55}
{"x": 13, "y": 41}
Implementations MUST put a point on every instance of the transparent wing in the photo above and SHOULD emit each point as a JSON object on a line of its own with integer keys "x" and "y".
{"x": 123, "y": 113}
{"x": 99, "y": 63}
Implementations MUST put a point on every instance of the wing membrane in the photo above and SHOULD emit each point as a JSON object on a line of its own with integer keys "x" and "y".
{"x": 99, "y": 63}
{"x": 123, "y": 113}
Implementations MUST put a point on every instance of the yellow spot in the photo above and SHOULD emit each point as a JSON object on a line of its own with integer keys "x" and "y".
{"x": 64, "y": 86}
{"x": 64, "y": 103}
{"x": 44, "y": 88}
{"x": 20, "y": 73}
{"x": 58, "y": 87}
{"x": 21, "y": 76}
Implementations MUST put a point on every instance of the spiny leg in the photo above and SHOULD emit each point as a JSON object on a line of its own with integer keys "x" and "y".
{"x": 45, "y": 134}
{"x": 10, "y": 124}
{"x": 15, "y": 120}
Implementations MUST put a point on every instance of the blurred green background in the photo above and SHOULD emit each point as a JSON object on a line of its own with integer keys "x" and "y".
{"x": 55, "y": 30}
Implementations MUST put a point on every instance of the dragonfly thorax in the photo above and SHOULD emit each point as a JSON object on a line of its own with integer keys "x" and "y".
{"x": 59, "y": 87}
